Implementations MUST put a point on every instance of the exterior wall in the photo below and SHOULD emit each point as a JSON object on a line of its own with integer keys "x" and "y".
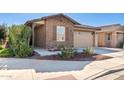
{"x": 95, "y": 36}
{"x": 120, "y": 39}
{"x": 83, "y": 39}
{"x": 114, "y": 39}
{"x": 51, "y": 25}
{"x": 111, "y": 28}
{"x": 39, "y": 36}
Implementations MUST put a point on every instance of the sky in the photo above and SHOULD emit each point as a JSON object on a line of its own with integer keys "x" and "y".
{"x": 93, "y": 19}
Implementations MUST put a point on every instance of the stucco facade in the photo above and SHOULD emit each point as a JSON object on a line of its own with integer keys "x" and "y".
{"x": 44, "y": 33}
{"x": 110, "y": 36}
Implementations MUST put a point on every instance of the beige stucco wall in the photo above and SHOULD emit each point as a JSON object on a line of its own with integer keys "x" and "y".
{"x": 114, "y": 41}
{"x": 119, "y": 39}
{"x": 102, "y": 36}
{"x": 111, "y": 28}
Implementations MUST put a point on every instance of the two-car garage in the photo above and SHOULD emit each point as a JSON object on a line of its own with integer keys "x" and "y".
{"x": 83, "y": 39}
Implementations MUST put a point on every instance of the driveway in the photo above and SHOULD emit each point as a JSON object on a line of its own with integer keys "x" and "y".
{"x": 98, "y": 50}
{"x": 42, "y": 65}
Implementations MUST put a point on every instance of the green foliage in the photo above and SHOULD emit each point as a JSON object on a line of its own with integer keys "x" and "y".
{"x": 88, "y": 51}
{"x": 19, "y": 39}
{"x": 6, "y": 52}
{"x": 60, "y": 47}
{"x": 3, "y": 32}
{"x": 67, "y": 53}
{"x": 1, "y": 47}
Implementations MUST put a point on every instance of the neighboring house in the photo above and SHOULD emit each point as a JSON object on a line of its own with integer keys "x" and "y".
{"x": 111, "y": 35}
{"x": 51, "y": 31}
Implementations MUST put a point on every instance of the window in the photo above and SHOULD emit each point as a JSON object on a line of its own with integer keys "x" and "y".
{"x": 60, "y": 33}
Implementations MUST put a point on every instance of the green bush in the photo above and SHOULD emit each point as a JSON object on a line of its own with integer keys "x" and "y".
{"x": 3, "y": 33}
{"x": 60, "y": 47}
{"x": 19, "y": 39}
{"x": 6, "y": 52}
{"x": 67, "y": 53}
{"x": 1, "y": 47}
{"x": 24, "y": 50}
{"x": 88, "y": 51}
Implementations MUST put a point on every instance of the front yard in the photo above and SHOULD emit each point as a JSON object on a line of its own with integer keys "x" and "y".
{"x": 17, "y": 44}
{"x": 76, "y": 57}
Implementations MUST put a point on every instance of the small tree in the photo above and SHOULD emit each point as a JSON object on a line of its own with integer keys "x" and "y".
{"x": 3, "y": 31}
{"x": 19, "y": 39}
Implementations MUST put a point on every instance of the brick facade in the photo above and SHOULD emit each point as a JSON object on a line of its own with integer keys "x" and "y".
{"x": 45, "y": 35}
{"x": 51, "y": 25}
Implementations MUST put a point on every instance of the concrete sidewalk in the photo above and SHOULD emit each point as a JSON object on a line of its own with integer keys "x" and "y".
{"x": 17, "y": 74}
{"x": 90, "y": 70}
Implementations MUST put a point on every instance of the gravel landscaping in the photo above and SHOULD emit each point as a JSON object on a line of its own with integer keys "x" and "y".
{"x": 77, "y": 57}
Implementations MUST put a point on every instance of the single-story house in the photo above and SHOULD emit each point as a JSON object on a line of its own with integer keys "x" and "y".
{"x": 52, "y": 31}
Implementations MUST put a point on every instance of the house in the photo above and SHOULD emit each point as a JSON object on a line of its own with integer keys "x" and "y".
{"x": 51, "y": 31}
{"x": 111, "y": 35}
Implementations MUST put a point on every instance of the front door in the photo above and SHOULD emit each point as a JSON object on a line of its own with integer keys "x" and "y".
{"x": 108, "y": 39}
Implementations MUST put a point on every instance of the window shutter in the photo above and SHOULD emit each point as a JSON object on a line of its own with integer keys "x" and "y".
{"x": 67, "y": 34}
{"x": 54, "y": 33}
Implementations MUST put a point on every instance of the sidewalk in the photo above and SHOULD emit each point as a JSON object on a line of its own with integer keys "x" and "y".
{"x": 17, "y": 74}
{"x": 93, "y": 69}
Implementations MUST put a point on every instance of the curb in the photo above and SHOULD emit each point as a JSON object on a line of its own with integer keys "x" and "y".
{"x": 106, "y": 72}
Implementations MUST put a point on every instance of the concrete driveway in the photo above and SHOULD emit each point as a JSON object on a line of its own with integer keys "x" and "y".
{"x": 42, "y": 65}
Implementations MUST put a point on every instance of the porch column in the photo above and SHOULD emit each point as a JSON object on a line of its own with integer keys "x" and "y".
{"x": 96, "y": 39}
{"x": 33, "y": 27}
{"x": 114, "y": 39}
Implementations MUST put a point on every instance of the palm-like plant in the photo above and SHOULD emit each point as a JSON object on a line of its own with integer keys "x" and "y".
{"x": 3, "y": 30}
{"x": 19, "y": 38}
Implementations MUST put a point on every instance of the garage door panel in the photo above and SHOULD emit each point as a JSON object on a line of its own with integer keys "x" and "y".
{"x": 83, "y": 39}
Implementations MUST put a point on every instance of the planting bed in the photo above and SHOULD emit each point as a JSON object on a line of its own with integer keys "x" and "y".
{"x": 77, "y": 57}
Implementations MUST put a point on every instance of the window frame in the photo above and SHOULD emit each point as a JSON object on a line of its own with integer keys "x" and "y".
{"x": 57, "y": 32}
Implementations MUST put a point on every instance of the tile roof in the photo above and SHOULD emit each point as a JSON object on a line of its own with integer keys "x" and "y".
{"x": 46, "y": 17}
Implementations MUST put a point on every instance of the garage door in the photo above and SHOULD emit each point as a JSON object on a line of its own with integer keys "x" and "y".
{"x": 83, "y": 39}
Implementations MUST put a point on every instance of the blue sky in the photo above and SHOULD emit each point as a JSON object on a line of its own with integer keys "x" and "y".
{"x": 94, "y": 19}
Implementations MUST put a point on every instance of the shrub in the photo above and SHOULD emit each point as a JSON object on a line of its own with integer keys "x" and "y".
{"x": 6, "y": 52}
{"x": 67, "y": 53}
{"x": 19, "y": 39}
{"x": 3, "y": 33}
{"x": 1, "y": 47}
{"x": 24, "y": 50}
{"x": 60, "y": 47}
{"x": 88, "y": 51}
